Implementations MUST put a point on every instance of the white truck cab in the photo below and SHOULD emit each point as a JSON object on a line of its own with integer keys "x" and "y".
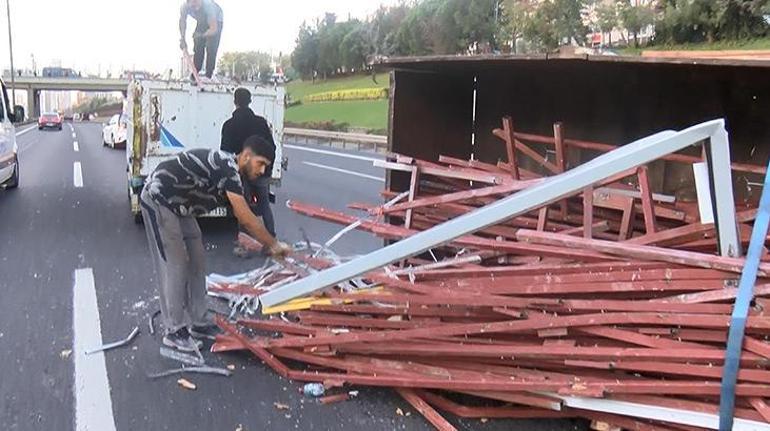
{"x": 9, "y": 158}
{"x": 166, "y": 118}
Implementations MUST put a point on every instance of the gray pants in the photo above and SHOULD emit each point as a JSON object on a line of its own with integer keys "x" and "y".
{"x": 176, "y": 246}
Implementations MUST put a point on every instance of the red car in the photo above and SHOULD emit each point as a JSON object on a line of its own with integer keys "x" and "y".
{"x": 49, "y": 120}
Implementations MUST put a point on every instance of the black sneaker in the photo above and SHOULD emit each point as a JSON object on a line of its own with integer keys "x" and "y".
{"x": 182, "y": 340}
{"x": 208, "y": 332}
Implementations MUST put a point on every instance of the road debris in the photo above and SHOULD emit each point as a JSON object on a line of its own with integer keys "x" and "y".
{"x": 151, "y": 321}
{"x": 65, "y": 354}
{"x": 599, "y": 299}
{"x": 331, "y": 399}
{"x": 187, "y": 384}
{"x": 196, "y": 370}
{"x": 116, "y": 344}
{"x": 187, "y": 359}
{"x": 281, "y": 406}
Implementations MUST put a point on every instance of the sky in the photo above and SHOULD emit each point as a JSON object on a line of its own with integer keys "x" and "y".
{"x": 94, "y": 36}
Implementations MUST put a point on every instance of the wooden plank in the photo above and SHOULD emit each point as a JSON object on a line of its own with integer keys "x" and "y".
{"x": 561, "y": 161}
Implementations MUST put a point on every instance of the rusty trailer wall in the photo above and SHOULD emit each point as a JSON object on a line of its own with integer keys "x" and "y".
{"x": 610, "y": 100}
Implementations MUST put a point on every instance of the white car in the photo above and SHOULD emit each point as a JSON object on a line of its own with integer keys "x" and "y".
{"x": 115, "y": 132}
{"x": 9, "y": 159}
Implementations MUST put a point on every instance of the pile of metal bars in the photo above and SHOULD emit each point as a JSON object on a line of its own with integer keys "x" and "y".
{"x": 601, "y": 300}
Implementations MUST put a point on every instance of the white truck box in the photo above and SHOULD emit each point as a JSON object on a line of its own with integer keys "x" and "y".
{"x": 165, "y": 118}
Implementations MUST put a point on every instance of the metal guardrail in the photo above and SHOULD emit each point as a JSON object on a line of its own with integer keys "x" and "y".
{"x": 358, "y": 141}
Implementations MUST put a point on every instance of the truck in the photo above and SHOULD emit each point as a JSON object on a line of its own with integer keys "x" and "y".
{"x": 168, "y": 117}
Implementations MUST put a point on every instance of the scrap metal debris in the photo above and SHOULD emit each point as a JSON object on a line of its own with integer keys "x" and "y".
{"x": 608, "y": 303}
{"x": 116, "y": 344}
{"x": 197, "y": 370}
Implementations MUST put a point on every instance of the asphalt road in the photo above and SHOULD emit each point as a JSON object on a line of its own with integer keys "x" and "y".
{"x": 52, "y": 232}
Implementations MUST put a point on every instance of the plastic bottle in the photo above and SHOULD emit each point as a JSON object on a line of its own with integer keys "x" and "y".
{"x": 313, "y": 390}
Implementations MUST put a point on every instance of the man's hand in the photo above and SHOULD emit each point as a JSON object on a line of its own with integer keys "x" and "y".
{"x": 183, "y": 44}
{"x": 280, "y": 250}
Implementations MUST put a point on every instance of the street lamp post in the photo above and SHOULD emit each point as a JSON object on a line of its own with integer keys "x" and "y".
{"x": 10, "y": 50}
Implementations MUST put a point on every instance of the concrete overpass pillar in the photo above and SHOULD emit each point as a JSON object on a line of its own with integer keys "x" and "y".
{"x": 33, "y": 103}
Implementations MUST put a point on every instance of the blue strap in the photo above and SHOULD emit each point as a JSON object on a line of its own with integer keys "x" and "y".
{"x": 741, "y": 310}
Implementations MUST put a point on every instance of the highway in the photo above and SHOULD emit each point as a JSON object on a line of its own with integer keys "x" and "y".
{"x": 75, "y": 272}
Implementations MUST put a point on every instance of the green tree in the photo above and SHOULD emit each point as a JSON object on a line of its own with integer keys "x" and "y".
{"x": 555, "y": 22}
{"x": 607, "y": 18}
{"x": 635, "y": 18}
{"x": 304, "y": 59}
{"x": 515, "y": 18}
{"x": 243, "y": 64}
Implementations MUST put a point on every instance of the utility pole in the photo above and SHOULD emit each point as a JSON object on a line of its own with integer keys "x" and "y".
{"x": 10, "y": 49}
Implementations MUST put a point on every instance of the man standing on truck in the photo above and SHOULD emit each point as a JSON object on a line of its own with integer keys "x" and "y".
{"x": 208, "y": 32}
{"x": 180, "y": 189}
{"x": 243, "y": 125}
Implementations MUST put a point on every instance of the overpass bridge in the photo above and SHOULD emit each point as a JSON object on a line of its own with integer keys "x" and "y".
{"x": 33, "y": 85}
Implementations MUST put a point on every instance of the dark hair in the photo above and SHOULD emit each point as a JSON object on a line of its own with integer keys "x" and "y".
{"x": 259, "y": 146}
{"x": 242, "y": 97}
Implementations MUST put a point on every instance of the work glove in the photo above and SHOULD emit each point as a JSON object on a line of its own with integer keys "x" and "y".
{"x": 183, "y": 44}
{"x": 279, "y": 250}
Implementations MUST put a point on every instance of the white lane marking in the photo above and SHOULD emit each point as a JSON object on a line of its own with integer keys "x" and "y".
{"x": 75, "y": 146}
{"x": 72, "y": 128}
{"x": 74, "y": 135}
{"x": 77, "y": 175}
{"x": 93, "y": 403}
{"x": 345, "y": 171}
{"x": 28, "y": 129}
{"x": 330, "y": 153}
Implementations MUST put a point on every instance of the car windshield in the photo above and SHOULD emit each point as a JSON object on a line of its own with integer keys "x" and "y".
{"x": 50, "y": 116}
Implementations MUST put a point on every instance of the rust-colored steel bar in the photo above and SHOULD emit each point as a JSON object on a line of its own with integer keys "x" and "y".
{"x": 446, "y": 173}
{"x": 626, "y": 224}
{"x": 396, "y": 232}
{"x": 510, "y": 147}
{"x": 413, "y": 188}
{"x": 542, "y": 218}
{"x": 487, "y": 412}
{"x": 258, "y": 351}
{"x": 588, "y": 212}
{"x": 463, "y": 195}
{"x": 425, "y": 410}
{"x": 711, "y": 295}
{"x": 648, "y": 206}
{"x": 701, "y": 260}
{"x": 596, "y": 146}
{"x": 760, "y": 406}
{"x": 682, "y": 234}
{"x": 513, "y": 326}
{"x": 673, "y": 368}
{"x": 476, "y": 164}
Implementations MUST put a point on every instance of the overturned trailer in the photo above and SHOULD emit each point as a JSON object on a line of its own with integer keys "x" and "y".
{"x": 450, "y": 105}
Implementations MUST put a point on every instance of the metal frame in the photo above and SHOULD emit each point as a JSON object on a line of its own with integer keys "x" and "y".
{"x": 666, "y": 414}
{"x": 552, "y": 190}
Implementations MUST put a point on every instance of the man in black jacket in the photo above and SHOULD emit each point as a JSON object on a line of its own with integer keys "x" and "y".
{"x": 244, "y": 124}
